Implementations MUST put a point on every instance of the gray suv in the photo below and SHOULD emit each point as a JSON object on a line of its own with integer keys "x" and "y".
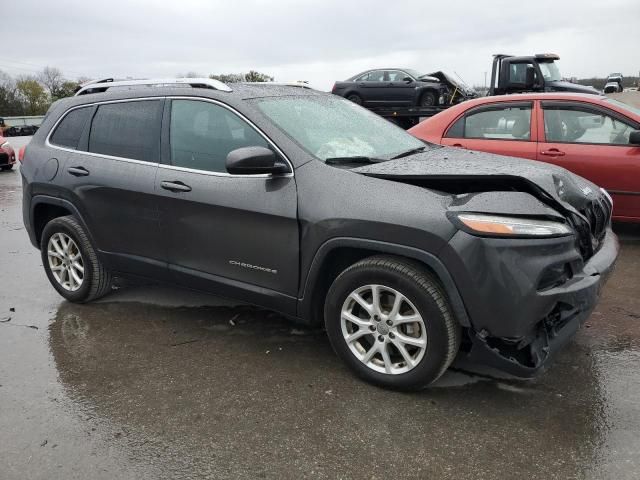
{"x": 307, "y": 204}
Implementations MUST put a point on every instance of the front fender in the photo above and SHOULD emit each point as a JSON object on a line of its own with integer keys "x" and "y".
{"x": 305, "y": 303}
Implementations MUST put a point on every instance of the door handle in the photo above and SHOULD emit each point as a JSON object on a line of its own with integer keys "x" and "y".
{"x": 552, "y": 152}
{"x": 175, "y": 186}
{"x": 459, "y": 145}
{"x": 78, "y": 171}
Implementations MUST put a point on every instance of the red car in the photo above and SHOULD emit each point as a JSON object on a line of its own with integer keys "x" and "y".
{"x": 593, "y": 136}
{"x": 7, "y": 155}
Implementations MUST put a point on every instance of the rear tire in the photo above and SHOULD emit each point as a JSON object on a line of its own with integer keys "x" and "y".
{"x": 355, "y": 98}
{"x": 71, "y": 263}
{"x": 420, "y": 337}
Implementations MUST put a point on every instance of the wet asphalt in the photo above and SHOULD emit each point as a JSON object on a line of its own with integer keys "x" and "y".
{"x": 153, "y": 383}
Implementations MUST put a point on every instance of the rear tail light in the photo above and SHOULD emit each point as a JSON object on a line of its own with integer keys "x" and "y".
{"x": 21, "y": 154}
{"x": 333, "y": 89}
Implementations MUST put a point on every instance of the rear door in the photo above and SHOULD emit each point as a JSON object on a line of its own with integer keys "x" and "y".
{"x": 505, "y": 128}
{"x": 593, "y": 142}
{"x": 236, "y": 235}
{"x": 109, "y": 174}
{"x": 373, "y": 87}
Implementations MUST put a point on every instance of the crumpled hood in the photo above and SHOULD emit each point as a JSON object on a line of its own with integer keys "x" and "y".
{"x": 572, "y": 192}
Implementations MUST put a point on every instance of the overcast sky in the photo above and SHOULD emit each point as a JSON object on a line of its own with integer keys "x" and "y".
{"x": 320, "y": 41}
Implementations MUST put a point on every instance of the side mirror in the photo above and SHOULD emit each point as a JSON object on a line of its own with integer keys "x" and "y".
{"x": 530, "y": 77}
{"x": 252, "y": 161}
{"x": 634, "y": 137}
{"x": 407, "y": 79}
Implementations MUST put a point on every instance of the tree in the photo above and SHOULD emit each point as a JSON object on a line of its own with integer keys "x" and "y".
{"x": 252, "y": 76}
{"x": 9, "y": 102}
{"x": 52, "y": 79}
{"x": 67, "y": 89}
{"x": 228, "y": 77}
{"x": 32, "y": 95}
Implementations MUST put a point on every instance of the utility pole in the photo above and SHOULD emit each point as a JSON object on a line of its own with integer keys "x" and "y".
{"x": 485, "y": 80}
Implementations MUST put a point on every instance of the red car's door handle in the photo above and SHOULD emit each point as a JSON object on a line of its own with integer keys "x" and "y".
{"x": 459, "y": 145}
{"x": 552, "y": 152}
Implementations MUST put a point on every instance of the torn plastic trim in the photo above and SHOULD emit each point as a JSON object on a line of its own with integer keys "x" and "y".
{"x": 525, "y": 356}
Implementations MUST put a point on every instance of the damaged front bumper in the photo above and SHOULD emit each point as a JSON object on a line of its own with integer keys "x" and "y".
{"x": 529, "y": 297}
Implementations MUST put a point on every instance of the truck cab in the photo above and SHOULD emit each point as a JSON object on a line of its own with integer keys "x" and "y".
{"x": 537, "y": 73}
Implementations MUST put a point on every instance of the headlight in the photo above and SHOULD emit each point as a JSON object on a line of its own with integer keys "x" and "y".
{"x": 497, "y": 225}
{"x": 608, "y": 197}
{"x": 5, "y": 144}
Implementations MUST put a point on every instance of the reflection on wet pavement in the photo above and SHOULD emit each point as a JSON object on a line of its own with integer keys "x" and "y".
{"x": 128, "y": 388}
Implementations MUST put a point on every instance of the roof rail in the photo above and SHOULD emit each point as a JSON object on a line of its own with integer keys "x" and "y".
{"x": 299, "y": 83}
{"x": 104, "y": 85}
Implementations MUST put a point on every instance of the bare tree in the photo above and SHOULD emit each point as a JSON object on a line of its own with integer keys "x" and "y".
{"x": 52, "y": 79}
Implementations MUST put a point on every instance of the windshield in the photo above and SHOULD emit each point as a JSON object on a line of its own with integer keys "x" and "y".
{"x": 625, "y": 106}
{"x": 328, "y": 126}
{"x": 550, "y": 71}
{"x": 413, "y": 73}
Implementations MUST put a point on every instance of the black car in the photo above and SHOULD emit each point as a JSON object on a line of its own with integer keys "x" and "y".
{"x": 304, "y": 203}
{"x": 392, "y": 87}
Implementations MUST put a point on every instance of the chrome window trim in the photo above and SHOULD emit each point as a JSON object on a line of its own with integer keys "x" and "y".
{"x": 172, "y": 167}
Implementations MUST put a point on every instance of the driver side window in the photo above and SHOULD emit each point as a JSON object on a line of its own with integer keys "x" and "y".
{"x": 582, "y": 125}
{"x": 202, "y": 134}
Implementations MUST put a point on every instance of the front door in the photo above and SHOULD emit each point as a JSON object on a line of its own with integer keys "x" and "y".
{"x": 594, "y": 143}
{"x": 236, "y": 235}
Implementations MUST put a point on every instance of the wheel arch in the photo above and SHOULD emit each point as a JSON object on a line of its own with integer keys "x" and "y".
{"x": 45, "y": 208}
{"x": 428, "y": 89}
{"x": 336, "y": 254}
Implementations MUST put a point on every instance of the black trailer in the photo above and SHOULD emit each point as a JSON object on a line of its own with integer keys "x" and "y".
{"x": 407, "y": 117}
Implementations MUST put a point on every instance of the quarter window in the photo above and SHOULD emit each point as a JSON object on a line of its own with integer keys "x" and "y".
{"x": 507, "y": 123}
{"x": 375, "y": 76}
{"x": 580, "y": 125}
{"x": 202, "y": 134}
{"x": 127, "y": 129}
{"x": 67, "y": 133}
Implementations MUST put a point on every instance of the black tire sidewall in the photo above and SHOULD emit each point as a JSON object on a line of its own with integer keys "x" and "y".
{"x": 59, "y": 225}
{"x": 427, "y": 95}
{"x": 436, "y": 354}
{"x": 353, "y": 96}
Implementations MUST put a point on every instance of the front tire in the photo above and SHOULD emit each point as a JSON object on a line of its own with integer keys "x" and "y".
{"x": 389, "y": 320}
{"x": 427, "y": 99}
{"x": 71, "y": 263}
{"x": 6, "y": 167}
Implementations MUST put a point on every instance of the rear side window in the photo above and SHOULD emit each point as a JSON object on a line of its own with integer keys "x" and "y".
{"x": 509, "y": 122}
{"x": 67, "y": 133}
{"x": 128, "y": 130}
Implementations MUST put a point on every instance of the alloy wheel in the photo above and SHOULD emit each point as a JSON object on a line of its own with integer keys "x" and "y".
{"x": 65, "y": 261}
{"x": 383, "y": 329}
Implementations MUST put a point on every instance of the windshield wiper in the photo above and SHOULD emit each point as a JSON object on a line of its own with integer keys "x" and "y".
{"x": 408, "y": 153}
{"x": 355, "y": 159}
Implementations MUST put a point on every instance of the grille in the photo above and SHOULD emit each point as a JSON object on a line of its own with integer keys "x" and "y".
{"x": 4, "y": 158}
{"x": 598, "y": 215}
